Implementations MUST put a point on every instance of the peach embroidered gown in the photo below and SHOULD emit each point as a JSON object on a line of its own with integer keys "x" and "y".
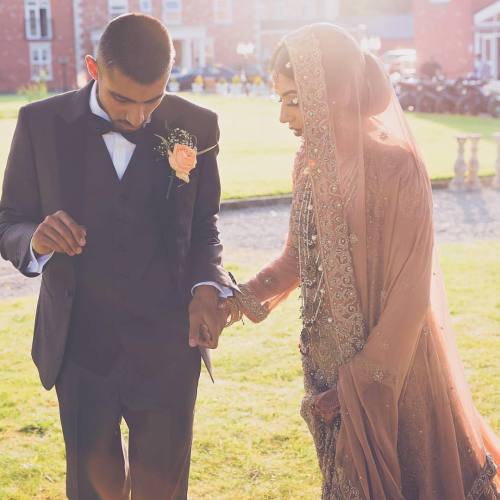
{"x": 375, "y": 318}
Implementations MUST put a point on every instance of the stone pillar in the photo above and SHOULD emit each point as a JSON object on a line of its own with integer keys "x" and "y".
{"x": 458, "y": 182}
{"x": 187, "y": 54}
{"x": 496, "y": 180}
{"x": 202, "y": 59}
{"x": 473, "y": 183}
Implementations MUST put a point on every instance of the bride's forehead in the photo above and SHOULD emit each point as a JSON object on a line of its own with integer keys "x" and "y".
{"x": 283, "y": 84}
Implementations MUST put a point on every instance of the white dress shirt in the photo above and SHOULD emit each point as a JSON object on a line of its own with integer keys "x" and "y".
{"x": 121, "y": 151}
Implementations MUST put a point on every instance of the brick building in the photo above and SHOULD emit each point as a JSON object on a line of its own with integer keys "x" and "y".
{"x": 36, "y": 39}
{"x": 50, "y": 38}
{"x": 204, "y": 31}
{"x": 200, "y": 29}
{"x": 453, "y": 32}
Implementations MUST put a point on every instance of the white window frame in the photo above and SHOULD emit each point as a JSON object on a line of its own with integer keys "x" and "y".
{"x": 278, "y": 10}
{"x": 224, "y": 6}
{"x": 486, "y": 15}
{"x": 489, "y": 41}
{"x": 146, "y": 6}
{"x": 309, "y": 10}
{"x": 331, "y": 9}
{"x": 32, "y": 9}
{"x": 117, "y": 8}
{"x": 41, "y": 59}
{"x": 172, "y": 16}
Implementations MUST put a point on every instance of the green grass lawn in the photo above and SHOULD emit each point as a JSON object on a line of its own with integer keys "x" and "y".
{"x": 257, "y": 151}
{"x": 249, "y": 439}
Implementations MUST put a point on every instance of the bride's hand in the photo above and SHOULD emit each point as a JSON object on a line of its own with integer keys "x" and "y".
{"x": 250, "y": 306}
{"x": 326, "y": 405}
{"x": 230, "y": 310}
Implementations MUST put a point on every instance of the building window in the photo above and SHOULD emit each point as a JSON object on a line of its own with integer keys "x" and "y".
{"x": 279, "y": 10}
{"x": 38, "y": 19}
{"x": 308, "y": 10}
{"x": 172, "y": 12}
{"x": 146, "y": 6}
{"x": 41, "y": 61}
{"x": 331, "y": 9}
{"x": 223, "y": 11}
{"x": 117, "y": 8}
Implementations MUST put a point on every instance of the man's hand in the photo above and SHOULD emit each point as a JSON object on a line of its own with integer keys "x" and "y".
{"x": 59, "y": 233}
{"x": 206, "y": 318}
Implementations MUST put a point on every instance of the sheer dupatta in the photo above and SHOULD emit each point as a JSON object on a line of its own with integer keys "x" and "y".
{"x": 412, "y": 300}
{"x": 394, "y": 330}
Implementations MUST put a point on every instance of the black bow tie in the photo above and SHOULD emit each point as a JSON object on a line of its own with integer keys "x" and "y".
{"x": 100, "y": 126}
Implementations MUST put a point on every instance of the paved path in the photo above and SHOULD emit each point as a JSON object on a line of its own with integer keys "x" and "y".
{"x": 254, "y": 235}
{"x": 465, "y": 216}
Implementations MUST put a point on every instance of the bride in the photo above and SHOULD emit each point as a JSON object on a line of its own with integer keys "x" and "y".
{"x": 386, "y": 399}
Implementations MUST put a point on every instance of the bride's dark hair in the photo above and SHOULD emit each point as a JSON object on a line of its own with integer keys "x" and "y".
{"x": 344, "y": 63}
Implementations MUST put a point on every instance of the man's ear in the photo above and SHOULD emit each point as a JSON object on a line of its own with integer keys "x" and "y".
{"x": 91, "y": 66}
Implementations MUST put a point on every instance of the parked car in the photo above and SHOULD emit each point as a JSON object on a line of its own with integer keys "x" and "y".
{"x": 207, "y": 72}
{"x": 176, "y": 73}
{"x": 407, "y": 91}
{"x": 474, "y": 100}
{"x": 427, "y": 97}
{"x": 447, "y": 93}
{"x": 403, "y": 61}
{"x": 492, "y": 92}
{"x": 253, "y": 71}
{"x": 439, "y": 95}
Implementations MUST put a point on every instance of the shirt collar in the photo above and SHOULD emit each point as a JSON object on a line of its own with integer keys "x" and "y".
{"x": 96, "y": 108}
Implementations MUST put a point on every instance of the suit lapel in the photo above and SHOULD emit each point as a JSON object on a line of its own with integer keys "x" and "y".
{"x": 71, "y": 136}
{"x": 174, "y": 210}
{"x": 166, "y": 118}
{"x": 161, "y": 168}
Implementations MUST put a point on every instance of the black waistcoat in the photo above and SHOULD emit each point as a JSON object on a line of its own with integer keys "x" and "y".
{"x": 125, "y": 297}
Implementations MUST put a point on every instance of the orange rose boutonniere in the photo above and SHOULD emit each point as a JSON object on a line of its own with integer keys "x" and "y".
{"x": 182, "y": 160}
{"x": 179, "y": 147}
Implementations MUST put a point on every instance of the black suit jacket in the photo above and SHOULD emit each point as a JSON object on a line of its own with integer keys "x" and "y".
{"x": 44, "y": 174}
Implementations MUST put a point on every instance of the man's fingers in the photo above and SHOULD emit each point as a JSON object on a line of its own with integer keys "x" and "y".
{"x": 65, "y": 233}
{"x": 214, "y": 329}
{"x": 52, "y": 246}
{"x": 204, "y": 336}
{"x": 79, "y": 232}
{"x": 201, "y": 336}
{"x": 59, "y": 233}
{"x": 59, "y": 243}
{"x": 194, "y": 328}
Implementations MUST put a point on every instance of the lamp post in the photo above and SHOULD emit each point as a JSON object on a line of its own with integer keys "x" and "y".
{"x": 245, "y": 50}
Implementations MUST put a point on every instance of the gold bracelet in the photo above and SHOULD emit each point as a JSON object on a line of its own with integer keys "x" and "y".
{"x": 234, "y": 313}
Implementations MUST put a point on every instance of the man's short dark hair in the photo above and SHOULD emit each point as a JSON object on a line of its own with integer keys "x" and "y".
{"x": 139, "y": 45}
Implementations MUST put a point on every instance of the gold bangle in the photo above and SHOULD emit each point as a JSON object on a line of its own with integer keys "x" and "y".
{"x": 234, "y": 313}
{"x": 250, "y": 305}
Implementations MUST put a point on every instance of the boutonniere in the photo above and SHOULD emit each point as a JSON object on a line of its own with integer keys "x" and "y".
{"x": 180, "y": 149}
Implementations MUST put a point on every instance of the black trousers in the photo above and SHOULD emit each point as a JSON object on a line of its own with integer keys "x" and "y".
{"x": 92, "y": 406}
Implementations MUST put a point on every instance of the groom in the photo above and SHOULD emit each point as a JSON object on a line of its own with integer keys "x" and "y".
{"x": 130, "y": 261}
